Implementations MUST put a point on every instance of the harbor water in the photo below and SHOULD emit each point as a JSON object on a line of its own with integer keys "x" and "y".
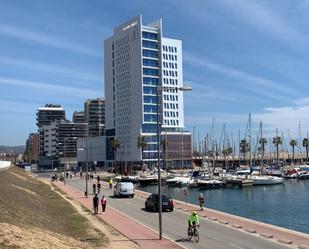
{"x": 285, "y": 205}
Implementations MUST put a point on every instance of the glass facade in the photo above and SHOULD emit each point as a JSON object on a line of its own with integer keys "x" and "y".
{"x": 150, "y": 44}
{"x": 150, "y": 90}
{"x": 149, "y": 35}
{"x": 150, "y": 53}
{"x": 150, "y": 63}
{"x": 150, "y": 81}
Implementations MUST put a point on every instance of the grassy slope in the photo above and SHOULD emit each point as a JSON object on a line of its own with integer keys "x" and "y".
{"x": 40, "y": 208}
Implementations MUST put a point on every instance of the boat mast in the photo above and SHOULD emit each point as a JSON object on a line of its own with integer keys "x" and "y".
{"x": 250, "y": 142}
{"x": 299, "y": 144}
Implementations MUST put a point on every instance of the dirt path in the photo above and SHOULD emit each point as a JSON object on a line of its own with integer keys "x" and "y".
{"x": 116, "y": 240}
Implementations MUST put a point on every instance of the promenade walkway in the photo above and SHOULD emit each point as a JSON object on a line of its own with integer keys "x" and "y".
{"x": 220, "y": 230}
{"x": 134, "y": 231}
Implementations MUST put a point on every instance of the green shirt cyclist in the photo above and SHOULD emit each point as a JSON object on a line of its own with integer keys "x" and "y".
{"x": 193, "y": 219}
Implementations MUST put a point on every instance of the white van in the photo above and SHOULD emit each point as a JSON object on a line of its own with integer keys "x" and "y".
{"x": 124, "y": 189}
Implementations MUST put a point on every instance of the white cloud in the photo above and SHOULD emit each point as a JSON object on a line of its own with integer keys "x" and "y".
{"x": 39, "y": 66}
{"x": 46, "y": 40}
{"x": 45, "y": 87}
{"x": 264, "y": 18}
{"x": 254, "y": 84}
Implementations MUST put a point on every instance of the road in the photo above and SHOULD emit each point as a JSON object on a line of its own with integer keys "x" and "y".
{"x": 212, "y": 235}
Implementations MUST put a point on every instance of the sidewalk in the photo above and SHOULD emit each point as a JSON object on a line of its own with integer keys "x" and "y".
{"x": 134, "y": 231}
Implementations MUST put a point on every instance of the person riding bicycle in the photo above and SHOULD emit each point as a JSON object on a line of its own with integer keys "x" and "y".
{"x": 193, "y": 220}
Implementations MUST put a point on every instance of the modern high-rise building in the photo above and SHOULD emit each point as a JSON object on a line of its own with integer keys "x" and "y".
{"x": 60, "y": 140}
{"x": 79, "y": 117}
{"x": 138, "y": 59}
{"x": 94, "y": 110}
{"x": 49, "y": 113}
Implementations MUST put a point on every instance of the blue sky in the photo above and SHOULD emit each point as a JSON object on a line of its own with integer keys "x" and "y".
{"x": 240, "y": 57}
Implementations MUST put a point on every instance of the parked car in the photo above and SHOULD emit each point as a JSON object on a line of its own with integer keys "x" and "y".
{"x": 152, "y": 203}
{"x": 124, "y": 189}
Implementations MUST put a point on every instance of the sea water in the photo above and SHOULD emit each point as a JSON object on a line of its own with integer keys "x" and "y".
{"x": 285, "y": 205}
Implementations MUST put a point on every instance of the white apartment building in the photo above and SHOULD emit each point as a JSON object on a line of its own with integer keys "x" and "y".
{"x": 137, "y": 59}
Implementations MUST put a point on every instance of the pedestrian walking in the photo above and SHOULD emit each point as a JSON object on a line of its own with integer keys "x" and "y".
{"x": 103, "y": 203}
{"x": 95, "y": 203}
{"x": 110, "y": 181}
{"x": 94, "y": 188}
{"x": 99, "y": 187}
{"x": 201, "y": 200}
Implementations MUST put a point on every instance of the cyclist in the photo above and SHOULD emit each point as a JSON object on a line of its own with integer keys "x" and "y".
{"x": 193, "y": 220}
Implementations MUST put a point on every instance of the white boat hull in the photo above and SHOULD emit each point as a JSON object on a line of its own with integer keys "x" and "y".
{"x": 266, "y": 180}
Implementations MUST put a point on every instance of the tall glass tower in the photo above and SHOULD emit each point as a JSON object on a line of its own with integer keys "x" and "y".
{"x": 137, "y": 59}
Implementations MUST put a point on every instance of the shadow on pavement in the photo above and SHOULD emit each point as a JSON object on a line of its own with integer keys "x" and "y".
{"x": 183, "y": 240}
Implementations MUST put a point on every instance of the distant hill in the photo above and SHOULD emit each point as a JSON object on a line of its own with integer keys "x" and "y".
{"x": 16, "y": 149}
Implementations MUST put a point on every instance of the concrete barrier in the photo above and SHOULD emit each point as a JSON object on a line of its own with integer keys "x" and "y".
{"x": 223, "y": 222}
{"x": 212, "y": 218}
{"x": 5, "y": 164}
{"x": 236, "y": 226}
{"x": 285, "y": 241}
{"x": 266, "y": 235}
{"x": 249, "y": 230}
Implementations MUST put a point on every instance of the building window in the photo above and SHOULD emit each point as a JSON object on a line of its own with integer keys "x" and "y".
{"x": 150, "y": 63}
{"x": 149, "y": 35}
{"x": 150, "y": 71}
{"x": 150, "y": 44}
{"x": 150, "y": 81}
{"x": 150, "y": 53}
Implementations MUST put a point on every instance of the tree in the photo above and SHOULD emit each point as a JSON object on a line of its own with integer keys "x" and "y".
{"x": 115, "y": 147}
{"x": 141, "y": 144}
{"x": 244, "y": 147}
{"x": 277, "y": 141}
{"x": 263, "y": 142}
{"x": 293, "y": 143}
{"x": 228, "y": 151}
{"x": 306, "y": 145}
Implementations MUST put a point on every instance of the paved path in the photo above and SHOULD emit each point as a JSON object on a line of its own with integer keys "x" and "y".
{"x": 227, "y": 231}
{"x": 143, "y": 236}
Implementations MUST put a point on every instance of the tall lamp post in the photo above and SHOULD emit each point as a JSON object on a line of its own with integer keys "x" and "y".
{"x": 85, "y": 148}
{"x": 162, "y": 89}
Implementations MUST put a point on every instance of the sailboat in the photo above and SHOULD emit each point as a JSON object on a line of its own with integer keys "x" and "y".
{"x": 259, "y": 179}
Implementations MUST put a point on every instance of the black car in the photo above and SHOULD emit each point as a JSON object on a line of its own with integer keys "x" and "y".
{"x": 152, "y": 203}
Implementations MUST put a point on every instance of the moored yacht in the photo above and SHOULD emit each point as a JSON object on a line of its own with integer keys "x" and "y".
{"x": 266, "y": 180}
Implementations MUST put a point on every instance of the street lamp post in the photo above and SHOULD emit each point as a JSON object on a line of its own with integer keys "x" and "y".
{"x": 86, "y": 151}
{"x": 162, "y": 89}
{"x": 86, "y": 193}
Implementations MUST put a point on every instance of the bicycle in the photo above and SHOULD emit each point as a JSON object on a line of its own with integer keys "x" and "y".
{"x": 193, "y": 232}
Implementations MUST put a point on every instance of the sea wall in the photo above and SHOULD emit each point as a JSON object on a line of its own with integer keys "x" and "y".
{"x": 5, "y": 164}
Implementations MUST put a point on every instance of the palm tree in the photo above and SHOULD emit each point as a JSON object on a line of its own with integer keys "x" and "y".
{"x": 293, "y": 143}
{"x": 244, "y": 147}
{"x": 277, "y": 141}
{"x": 227, "y": 152}
{"x": 164, "y": 144}
{"x": 306, "y": 145}
{"x": 115, "y": 147}
{"x": 263, "y": 142}
{"x": 141, "y": 144}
